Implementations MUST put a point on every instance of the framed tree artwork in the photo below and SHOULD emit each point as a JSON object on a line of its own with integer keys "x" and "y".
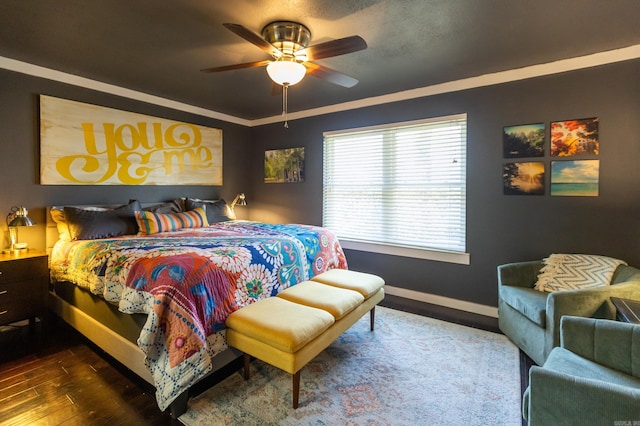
{"x": 284, "y": 165}
{"x": 525, "y": 140}
{"x": 575, "y": 137}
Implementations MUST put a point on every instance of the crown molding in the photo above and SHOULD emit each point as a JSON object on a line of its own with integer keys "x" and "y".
{"x": 87, "y": 83}
{"x": 533, "y": 71}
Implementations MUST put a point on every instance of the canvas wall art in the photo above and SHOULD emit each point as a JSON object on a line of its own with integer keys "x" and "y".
{"x": 575, "y": 178}
{"x": 284, "y": 165}
{"x": 526, "y": 178}
{"x": 83, "y": 144}
{"x": 526, "y": 140}
{"x": 575, "y": 137}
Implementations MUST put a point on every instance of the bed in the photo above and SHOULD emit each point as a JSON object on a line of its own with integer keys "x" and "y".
{"x": 153, "y": 284}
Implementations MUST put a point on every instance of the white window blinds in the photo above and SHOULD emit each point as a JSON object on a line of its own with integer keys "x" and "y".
{"x": 400, "y": 185}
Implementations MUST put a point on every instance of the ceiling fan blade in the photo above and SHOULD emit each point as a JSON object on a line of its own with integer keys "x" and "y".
{"x": 330, "y": 75}
{"x": 337, "y": 47}
{"x": 254, "y": 38}
{"x": 238, "y": 66}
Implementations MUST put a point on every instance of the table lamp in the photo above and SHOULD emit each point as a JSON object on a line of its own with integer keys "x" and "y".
{"x": 18, "y": 216}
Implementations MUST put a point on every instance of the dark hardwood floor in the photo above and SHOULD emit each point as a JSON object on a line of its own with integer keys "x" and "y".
{"x": 66, "y": 380}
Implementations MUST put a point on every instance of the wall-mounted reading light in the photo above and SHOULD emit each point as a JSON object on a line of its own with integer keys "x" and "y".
{"x": 240, "y": 200}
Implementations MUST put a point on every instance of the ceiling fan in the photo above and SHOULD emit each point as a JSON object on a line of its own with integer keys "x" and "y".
{"x": 288, "y": 43}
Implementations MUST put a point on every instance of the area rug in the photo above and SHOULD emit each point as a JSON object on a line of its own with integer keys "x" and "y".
{"x": 412, "y": 370}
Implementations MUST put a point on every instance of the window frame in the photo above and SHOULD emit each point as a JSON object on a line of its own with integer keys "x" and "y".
{"x": 443, "y": 255}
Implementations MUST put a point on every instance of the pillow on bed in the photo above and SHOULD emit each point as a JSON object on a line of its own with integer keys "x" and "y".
{"x": 85, "y": 224}
{"x": 217, "y": 210}
{"x": 57, "y": 214}
{"x": 63, "y": 230}
{"x": 153, "y": 223}
{"x": 174, "y": 206}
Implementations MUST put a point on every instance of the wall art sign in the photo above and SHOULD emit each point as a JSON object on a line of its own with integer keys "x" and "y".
{"x": 526, "y": 178}
{"x": 575, "y": 178}
{"x": 284, "y": 165}
{"x": 525, "y": 140}
{"x": 575, "y": 137}
{"x": 84, "y": 144}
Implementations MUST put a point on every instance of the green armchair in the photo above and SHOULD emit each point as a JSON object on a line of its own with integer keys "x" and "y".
{"x": 531, "y": 318}
{"x": 593, "y": 378}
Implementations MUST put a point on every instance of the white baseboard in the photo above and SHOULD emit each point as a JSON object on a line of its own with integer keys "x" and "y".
{"x": 461, "y": 305}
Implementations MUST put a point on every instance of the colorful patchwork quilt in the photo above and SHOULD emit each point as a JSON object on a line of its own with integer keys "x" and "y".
{"x": 188, "y": 282}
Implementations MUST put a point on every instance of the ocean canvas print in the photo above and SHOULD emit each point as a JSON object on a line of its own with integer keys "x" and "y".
{"x": 575, "y": 178}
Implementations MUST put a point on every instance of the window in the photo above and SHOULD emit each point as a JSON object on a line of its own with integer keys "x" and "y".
{"x": 399, "y": 189}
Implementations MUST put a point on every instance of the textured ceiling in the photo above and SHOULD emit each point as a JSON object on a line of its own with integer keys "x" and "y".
{"x": 158, "y": 47}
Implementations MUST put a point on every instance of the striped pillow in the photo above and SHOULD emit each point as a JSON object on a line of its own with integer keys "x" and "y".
{"x": 152, "y": 223}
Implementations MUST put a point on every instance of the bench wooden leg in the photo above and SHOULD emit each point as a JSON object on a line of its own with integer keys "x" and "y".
{"x": 296, "y": 389}
{"x": 372, "y": 316}
{"x": 247, "y": 364}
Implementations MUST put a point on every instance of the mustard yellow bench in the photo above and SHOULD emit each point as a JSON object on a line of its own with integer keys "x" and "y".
{"x": 291, "y": 329}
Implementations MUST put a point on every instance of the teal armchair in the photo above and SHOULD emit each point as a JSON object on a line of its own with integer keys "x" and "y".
{"x": 593, "y": 378}
{"x": 531, "y": 318}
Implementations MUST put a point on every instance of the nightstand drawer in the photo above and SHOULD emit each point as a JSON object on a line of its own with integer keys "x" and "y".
{"x": 22, "y": 269}
{"x": 21, "y": 300}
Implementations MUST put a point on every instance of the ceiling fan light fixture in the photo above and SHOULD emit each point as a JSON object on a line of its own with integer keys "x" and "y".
{"x": 287, "y": 36}
{"x": 286, "y": 72}
{"x": 288, "y": 43}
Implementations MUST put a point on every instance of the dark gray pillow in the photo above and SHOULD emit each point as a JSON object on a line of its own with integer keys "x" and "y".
{"x": 91, "y": 224}
{"x": 217, "y": 210}
{"x": 174, "y": 206}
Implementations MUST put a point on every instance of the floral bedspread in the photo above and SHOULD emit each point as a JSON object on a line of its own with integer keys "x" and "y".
{"x": 189, "y": 281}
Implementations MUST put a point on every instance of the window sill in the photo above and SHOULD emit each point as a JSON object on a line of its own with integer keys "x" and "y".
{"x": 437, "y": 255}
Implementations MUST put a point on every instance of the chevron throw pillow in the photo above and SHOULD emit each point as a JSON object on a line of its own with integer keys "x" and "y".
{"x": 576, "y": 271}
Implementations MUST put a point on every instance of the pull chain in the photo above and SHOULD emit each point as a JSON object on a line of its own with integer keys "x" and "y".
{"x": 285, "y": 101}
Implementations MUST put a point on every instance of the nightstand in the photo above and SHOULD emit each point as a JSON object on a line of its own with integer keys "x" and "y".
{"x": 24, "y": 285}
{"x": 627, "y": 310}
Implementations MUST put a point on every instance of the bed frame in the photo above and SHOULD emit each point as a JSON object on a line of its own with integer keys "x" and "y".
{"x": 118, "y": 347}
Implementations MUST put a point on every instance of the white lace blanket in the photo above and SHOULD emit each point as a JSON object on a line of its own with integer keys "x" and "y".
{"x": 576, "y": 271}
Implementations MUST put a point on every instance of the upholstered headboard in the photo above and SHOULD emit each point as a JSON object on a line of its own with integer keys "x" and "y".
{"x": 216, "y": 211}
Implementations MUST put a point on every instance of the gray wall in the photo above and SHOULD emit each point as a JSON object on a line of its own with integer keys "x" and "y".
{"x": 500, "y": 228}
{"x": 20, "y": 157}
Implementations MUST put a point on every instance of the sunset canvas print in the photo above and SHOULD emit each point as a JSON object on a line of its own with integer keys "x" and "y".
{"x": 575, "y": 178}
{"x": 575, "y": 137}
{"x": 523, "y": 178}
